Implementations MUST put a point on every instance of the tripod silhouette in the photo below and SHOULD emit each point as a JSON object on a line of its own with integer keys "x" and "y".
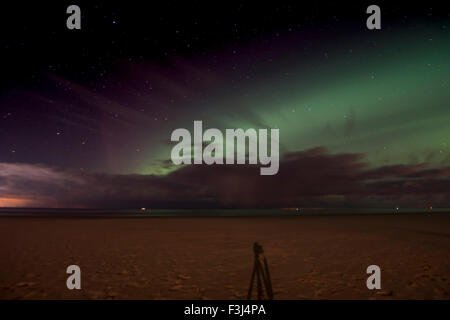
{"x": 262, "y": 275}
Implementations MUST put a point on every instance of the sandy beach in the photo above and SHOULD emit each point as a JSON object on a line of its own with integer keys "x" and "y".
{"x": 310, "y": 257}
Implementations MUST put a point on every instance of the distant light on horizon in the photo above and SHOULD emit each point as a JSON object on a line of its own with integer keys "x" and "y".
{"x": 14, "y": 202}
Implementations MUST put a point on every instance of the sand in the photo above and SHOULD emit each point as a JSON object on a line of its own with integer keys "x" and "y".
{"x": 310, "y": 257}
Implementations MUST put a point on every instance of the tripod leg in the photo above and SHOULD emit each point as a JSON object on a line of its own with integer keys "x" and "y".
{"x": 268, "y": 280}
{"x": 265, "y": 281}
{"x": 258, "y": 283}
{"x": 249, "y": 295}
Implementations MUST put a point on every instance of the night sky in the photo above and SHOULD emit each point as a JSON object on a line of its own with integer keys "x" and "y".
{"x": 86, "y": 115}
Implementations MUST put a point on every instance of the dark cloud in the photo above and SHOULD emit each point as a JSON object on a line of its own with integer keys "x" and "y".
{"x": 311, "y": 178}
{"x": 395, "y": 171}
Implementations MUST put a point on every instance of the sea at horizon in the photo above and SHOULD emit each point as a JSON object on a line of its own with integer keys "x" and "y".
{"x": 77, "y": 212}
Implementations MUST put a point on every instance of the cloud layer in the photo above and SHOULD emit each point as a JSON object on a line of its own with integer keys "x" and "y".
{"x": 311, "y": 178}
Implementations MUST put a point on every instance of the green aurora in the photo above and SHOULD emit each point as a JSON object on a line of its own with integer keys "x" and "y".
{"x": 386, "y": 97}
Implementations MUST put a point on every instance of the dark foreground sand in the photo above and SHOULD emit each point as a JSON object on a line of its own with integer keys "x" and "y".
{"x": 312, "y": 257}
